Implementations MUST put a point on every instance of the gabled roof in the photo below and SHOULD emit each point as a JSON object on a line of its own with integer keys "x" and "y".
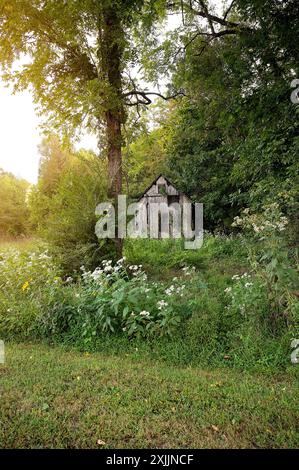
{"x": 154, "y": 182}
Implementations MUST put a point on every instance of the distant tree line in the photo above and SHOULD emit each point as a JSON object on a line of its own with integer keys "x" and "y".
{"x": 14, "y": 211}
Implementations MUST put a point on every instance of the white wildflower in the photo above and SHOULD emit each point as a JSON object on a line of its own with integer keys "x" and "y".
{"x": 162, "y": 304}
{"x": 144, "y": 313}
{"x": 170, "y": 290}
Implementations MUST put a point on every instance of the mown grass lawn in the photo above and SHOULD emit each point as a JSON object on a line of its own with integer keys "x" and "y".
{"x": 57, "y": 398}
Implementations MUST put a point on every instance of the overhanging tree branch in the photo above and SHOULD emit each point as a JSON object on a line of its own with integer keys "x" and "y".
{"x": 229, "y": 10}
{"x": 204, "y": 7}
{"x": 231, "y": 27}
{"x": 204, "y": 13}
{"x": 142, "y": 97}
{"x": 212, "y": 19}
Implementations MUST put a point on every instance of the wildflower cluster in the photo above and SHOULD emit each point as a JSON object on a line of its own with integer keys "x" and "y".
{"x": 114, "y": 298}
{"x": 26, "y": 279}
{"x": 270, "y": 262}
{"x": 117, "y": 297}
{"x": 175, "y": 290}
{"x": 107, "y": 272}
{"x": 188, "y": 270}
{"x": 24, "y": 272}
{"x": 270, "y": 220}
{"x": 244, "y": 295}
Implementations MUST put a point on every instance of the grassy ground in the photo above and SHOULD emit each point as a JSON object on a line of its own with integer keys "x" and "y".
{"x": 132, "y": 395}
{"x": 55, "y": 398}
{"x": 21, "y": 244}
{"x": 161, "y": 259}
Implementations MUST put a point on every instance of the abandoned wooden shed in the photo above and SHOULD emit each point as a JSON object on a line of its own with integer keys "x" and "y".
{"x": 161, "y": 191}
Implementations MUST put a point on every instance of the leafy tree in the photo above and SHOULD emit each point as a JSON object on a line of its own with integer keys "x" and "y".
{"x": 77, "y": 55}
{"x": 235, "y": 136}
{"x": 145, "y": 153}
{"x": 54, "y": 158}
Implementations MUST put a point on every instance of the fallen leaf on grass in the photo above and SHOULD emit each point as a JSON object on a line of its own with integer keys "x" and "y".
{"x": 215, "y": 428}
{"x": 101, "y": 443}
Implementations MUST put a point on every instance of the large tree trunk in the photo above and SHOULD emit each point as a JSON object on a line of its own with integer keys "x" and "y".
{"x": 114, "y": 138}
{"x": 112, "y": 49}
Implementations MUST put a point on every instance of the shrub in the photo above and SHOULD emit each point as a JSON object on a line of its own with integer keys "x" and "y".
{"x": 115, "y": 299}
{"x": 63, "y": 204}
{"x": 271, "y": 265}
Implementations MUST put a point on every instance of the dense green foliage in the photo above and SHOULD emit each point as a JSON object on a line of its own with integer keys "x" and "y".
{"x": 232, "y": 141}
{"x": 66, "y": 46}
{"x": 62, "y": 205}
{"x": 13, "y": 208}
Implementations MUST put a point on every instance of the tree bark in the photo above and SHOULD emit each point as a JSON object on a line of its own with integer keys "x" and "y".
{"x": 114, "y": 137}
{"x": 112, "y": 50}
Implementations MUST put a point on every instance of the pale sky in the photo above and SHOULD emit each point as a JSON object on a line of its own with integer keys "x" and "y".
{"x": 20, "y": 136}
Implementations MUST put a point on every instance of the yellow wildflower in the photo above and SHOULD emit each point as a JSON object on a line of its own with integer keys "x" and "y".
{"x": 25, "y": 286}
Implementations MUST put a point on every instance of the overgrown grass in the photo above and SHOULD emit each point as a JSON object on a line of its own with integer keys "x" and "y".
{"x": 57, "y": 398}
{"x": 210, "y": 328}
{"x": 161, "y": 257}
{"x": 21, "y": 243}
